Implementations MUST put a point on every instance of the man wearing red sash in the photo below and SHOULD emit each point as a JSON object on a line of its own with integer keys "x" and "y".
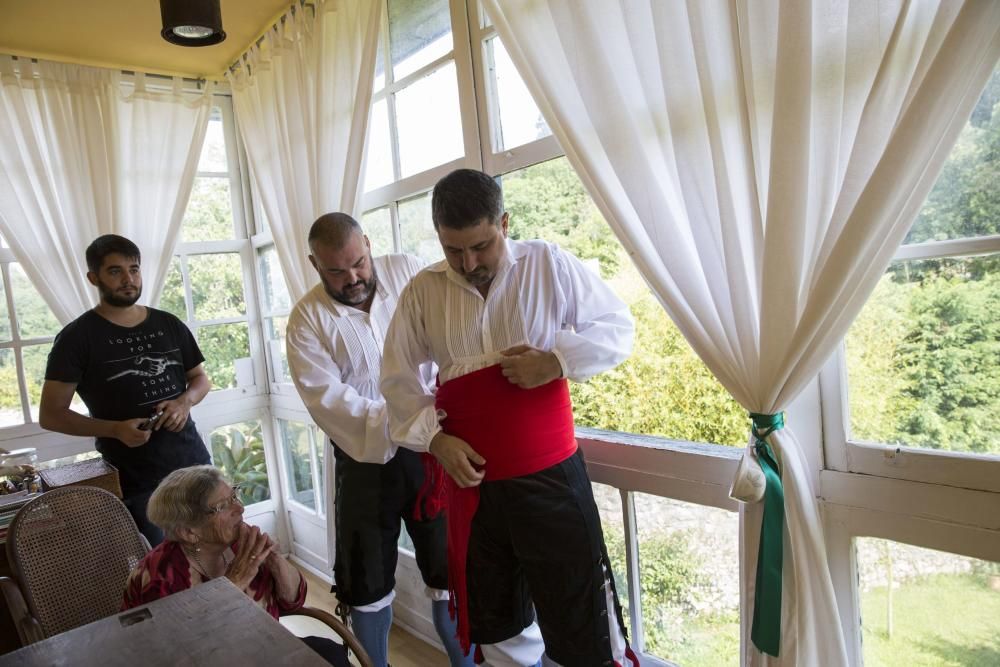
{"x": 507, "y": 323}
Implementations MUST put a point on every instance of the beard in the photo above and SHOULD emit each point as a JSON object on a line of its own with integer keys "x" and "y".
{"x": 354, "y": 294}
{"x": 118, "y": 299}
{"x": 478, "y": 277}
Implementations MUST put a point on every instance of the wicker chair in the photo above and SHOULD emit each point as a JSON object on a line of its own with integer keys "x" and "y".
{"x": 70, "y": 551}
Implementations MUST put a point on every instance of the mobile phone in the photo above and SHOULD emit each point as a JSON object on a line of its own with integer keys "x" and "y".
{"x": 148, "y": 424}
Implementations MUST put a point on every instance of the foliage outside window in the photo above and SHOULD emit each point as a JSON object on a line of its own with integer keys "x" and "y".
{"x": 238, "y": 451}
{"x": 924, "y": 607}
{"x": 923, "y": 357}
{"x": 26, "y": 333}
{"x": 663, "y": 389}
{"x": 205, "y": 283}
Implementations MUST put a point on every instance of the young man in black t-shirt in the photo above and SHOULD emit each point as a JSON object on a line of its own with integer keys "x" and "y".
{"x": 128, "y": 363}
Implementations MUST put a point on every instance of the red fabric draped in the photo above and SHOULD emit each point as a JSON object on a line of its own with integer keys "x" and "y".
{"x": 518, "y": 432}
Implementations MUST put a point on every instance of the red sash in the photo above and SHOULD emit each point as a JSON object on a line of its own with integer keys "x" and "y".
{"x": 518, "y": 432}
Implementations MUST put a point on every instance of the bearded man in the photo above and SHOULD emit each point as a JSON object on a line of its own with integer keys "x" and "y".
{"x": 138, "y": 370}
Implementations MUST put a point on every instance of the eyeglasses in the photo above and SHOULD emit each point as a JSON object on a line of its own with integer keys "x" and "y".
{"x": 227, "y": 503}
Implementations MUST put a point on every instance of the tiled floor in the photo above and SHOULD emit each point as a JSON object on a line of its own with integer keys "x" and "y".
{"x": 405, "y": 650}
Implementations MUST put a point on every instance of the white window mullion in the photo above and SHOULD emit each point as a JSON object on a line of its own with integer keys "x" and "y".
{"x": 186, "y": 280}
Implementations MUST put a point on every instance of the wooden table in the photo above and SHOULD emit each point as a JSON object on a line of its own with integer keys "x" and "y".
{"x": 211, "y": 624}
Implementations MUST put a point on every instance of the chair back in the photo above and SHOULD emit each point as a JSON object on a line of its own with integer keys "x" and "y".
{"x": 71, "y": 551}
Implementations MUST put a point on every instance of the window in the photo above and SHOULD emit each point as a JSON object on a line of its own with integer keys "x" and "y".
{"x": 302, "y": 448}
{"x": 923, "y": 357}
{"x": 911, "y": 439}
{"x": 207, "y": 285}
{"x": 924, "y": 607}
{"x": 416, "y": 119}
{"x": 27, "y": 328}
{"x": 663, "y": 389}
{"x": 276, "y": 305}
{"x": 238, "y": 451}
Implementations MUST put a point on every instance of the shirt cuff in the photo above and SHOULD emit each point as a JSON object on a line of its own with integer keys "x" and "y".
{"x": 563, "y": 368}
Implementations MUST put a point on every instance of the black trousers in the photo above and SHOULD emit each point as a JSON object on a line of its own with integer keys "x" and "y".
{"x": 372, "y": 501}
{"x": 538, "y": 538}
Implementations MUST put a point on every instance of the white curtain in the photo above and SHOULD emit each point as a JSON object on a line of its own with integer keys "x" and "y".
{"x": 84, "y": 154}
{"x": 302, "y": 99}
{"x": 760, "y": 161}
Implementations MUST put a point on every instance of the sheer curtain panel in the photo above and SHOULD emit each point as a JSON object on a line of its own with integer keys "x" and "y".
{"x": 84, "y": 153}
{"x": 302, "y": 98}
{"x": 761, "y": 161}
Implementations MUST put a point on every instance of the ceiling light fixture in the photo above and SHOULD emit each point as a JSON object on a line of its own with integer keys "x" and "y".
{"x": 192, "y": 22}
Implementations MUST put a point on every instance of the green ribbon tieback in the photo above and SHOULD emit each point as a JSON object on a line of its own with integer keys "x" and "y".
{"x": 766, "y": 630}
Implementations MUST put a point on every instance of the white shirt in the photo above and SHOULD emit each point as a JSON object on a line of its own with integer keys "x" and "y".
{"x": 335, "y": 357}
{"x": 541, "y": 296}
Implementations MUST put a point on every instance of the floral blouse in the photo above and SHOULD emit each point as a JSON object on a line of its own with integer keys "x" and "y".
{"x": 165, "y": 570}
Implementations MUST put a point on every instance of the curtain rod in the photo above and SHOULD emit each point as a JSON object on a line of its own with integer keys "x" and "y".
{"x": 281, "y": 19}
{"x": 197, "y": 81}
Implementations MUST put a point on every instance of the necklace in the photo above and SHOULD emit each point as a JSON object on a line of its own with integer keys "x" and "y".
{"x": 201, "y": 566}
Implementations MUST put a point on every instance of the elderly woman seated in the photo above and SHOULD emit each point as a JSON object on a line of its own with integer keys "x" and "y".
{"x": 201, "y": 516}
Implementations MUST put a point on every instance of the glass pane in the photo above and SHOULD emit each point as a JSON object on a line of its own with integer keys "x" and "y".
{"x": 227, "y": 354}
{"x": 609, "y": 505}
{"x": 5, "y": 330}
{"x": 34, "y": 319}
{"x": 378, "y": 165}
{"x": 276, "y": 341}
{"x": 10, "y": 392}
{"x": 378, "y": 228}
{"x": 429, "y": 122}
{"x": 417, "y": 230}
{"x": 209, "y": 213}
{"x": 35, "y": 358}
{"x": 273, "y": 285}
{"x": 321, "y": 442}
{"x": 924, "y": 607}
{"x": 689, "y": 578}
{"x": 238, "y": 451}
{"x": 663, "y": 389}
{"x": 965, "y": 201}
{"x": 520, "y": 119}
{"x": 295, "y": 447}
{"x": 922, "y": 359}
{"x": 172, "y": 297}
{"x": 213, "y": 152}
{"x": 419, "y": 33}
{"x": 216, "y": 286}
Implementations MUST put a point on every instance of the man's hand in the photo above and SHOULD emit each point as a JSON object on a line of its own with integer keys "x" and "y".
{"x": 128, "y": 432}
{"x": 175, "y": 413}
{"x": 458, "y": 459}
{"x": 528, "y": 367}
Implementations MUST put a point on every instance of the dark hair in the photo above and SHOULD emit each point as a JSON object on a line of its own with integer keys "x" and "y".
{"x": 463, "y": 198}
{"x": 333, "y": 229}
{"x": 110, "y": 244}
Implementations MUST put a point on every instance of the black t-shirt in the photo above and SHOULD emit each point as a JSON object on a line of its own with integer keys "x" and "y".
{"x": 122, "y": 373}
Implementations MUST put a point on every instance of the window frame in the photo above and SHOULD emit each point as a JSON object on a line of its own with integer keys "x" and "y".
{"x": 845, "y": 453}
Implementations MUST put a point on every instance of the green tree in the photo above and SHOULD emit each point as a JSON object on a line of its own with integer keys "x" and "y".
{"x": 238, "y": 451}
{"x": 951, "y": 360}
{"x": 663, "y": 388}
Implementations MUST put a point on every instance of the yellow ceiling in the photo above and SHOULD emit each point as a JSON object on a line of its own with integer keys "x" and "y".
{"x": 125, "y": 34}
